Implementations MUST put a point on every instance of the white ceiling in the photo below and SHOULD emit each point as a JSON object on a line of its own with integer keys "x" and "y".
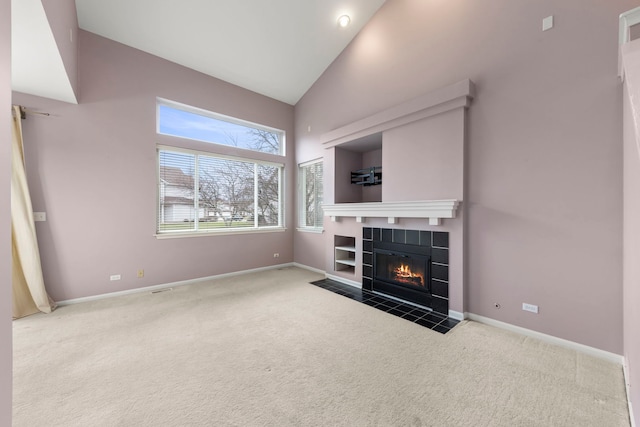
{"x": 277, "y": 48}
{"x": 36, "y": 64}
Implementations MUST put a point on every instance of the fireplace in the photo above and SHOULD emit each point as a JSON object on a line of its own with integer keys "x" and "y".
{"x": 403, "y": 271}
{"x": 411, "y": 265}
{"x": 402, "y": 268}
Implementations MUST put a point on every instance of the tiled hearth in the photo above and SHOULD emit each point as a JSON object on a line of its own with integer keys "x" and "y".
{"x": 411, "y": 313}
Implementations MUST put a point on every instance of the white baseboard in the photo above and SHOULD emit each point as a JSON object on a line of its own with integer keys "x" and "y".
{"x": 306, "y": 267}
{"x": 627, "y": 383}
{"x": 456, "y": 315}
{"x": 602, "y": 354}
{"x": 612, "y": 357}
{"x": 168, "y": 285}
{"x": 345, "y": 281}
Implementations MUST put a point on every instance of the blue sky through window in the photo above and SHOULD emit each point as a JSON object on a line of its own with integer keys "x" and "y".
{"x": 185, "y": 124}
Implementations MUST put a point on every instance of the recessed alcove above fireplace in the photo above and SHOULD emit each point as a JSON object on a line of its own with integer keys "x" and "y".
{"x": 418, "y": 144}
{"x": 364, "y": 153}
{"x": 419, "y": 147}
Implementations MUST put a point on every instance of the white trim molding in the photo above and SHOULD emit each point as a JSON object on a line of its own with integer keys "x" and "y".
{"x": 306, "y": 267}
{"x": 457, "y": 95}
{"x": 168, "y": 285}
{"x": 345, "y": 281}
{"x": 433, "y": 210}
{"x": 456, "y": 315}
{"x": 627, "y": 20}
{"x": 627, "y": 383}
{"x": 550, "y": 339}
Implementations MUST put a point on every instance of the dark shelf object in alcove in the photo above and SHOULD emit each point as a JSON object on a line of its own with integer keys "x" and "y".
{"x": 368, "y": 176}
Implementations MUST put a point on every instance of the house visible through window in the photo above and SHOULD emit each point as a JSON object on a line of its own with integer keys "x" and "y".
{"x": 310, "y": 179}
{"x": 203, "y": 192}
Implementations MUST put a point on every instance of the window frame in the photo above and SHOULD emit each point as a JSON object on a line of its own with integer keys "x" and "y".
{"x": 302, "y": 194}
{"x": 222, "y": 230}
{"x": 197, "y": 147}
{"x": 221, "y": 117}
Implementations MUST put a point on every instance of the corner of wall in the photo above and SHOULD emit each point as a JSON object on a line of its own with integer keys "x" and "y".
{"x": 5, "y": 214}
{"x": 63, "y": 20}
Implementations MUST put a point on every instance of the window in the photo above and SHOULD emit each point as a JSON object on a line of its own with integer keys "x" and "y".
{"x": 189, "y": 122}
{"x": 210, "y": 191}
{"x": 201, "y": 192}
{"x": 310, "y": 180}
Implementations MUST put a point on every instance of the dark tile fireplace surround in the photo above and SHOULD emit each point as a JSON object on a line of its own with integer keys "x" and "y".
{"x": 412, "y": 265}
{"x": 417, "y": 290}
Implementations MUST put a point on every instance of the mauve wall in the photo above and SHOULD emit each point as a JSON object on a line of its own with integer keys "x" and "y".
{"x": 631, "y": 239}
{"x": 63, "y": 19}
{"x": 92, "y": 168}
{"x": 544, "y": 152}
{"x": 424, "y": 160}
{"x": 5, "y": 213}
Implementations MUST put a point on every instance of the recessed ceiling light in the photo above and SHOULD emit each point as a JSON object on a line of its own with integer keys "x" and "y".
{"x": 344, "y": 20}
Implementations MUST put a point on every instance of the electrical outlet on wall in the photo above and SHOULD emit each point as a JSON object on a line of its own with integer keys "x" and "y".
{"x": 140, "y": 274}
{"x": 530, "y": 307}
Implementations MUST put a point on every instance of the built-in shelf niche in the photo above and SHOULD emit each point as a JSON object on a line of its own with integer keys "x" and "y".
{"x": 361, "y": 153}
{"x": 345, "y": 254}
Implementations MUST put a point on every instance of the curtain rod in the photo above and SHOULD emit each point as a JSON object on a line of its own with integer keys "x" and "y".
{"x": 24, "y": 111}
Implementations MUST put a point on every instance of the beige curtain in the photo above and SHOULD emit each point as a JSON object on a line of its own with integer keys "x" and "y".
{"x": 29, "y": 294}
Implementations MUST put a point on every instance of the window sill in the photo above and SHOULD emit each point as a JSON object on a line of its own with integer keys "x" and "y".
{"x": 178, "y": 235}
{"x": 310, "y": 230}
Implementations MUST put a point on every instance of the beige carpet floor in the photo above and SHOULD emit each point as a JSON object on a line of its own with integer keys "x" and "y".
{"x": 269, "y": 349}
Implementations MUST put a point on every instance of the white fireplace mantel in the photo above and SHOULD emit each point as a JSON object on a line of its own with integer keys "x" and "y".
{"x": 434, "y": 210}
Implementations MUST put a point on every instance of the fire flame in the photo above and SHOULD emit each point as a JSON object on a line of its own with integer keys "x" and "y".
{"x": 404, "y": 273}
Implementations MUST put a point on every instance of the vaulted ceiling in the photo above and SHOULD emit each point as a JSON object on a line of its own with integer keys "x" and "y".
{"x": 277, "y": 48}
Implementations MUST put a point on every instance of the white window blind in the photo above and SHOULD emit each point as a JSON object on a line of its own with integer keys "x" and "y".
{"x": 310, "y": 178}
{"x": 202, "y": 192}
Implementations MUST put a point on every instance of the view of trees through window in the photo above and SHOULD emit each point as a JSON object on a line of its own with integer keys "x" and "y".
{"x": 310, "y": 179}
{"x": 202, "y": 192}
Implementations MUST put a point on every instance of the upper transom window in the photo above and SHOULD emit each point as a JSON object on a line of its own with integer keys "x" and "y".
{"x": 193, "y": 123}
